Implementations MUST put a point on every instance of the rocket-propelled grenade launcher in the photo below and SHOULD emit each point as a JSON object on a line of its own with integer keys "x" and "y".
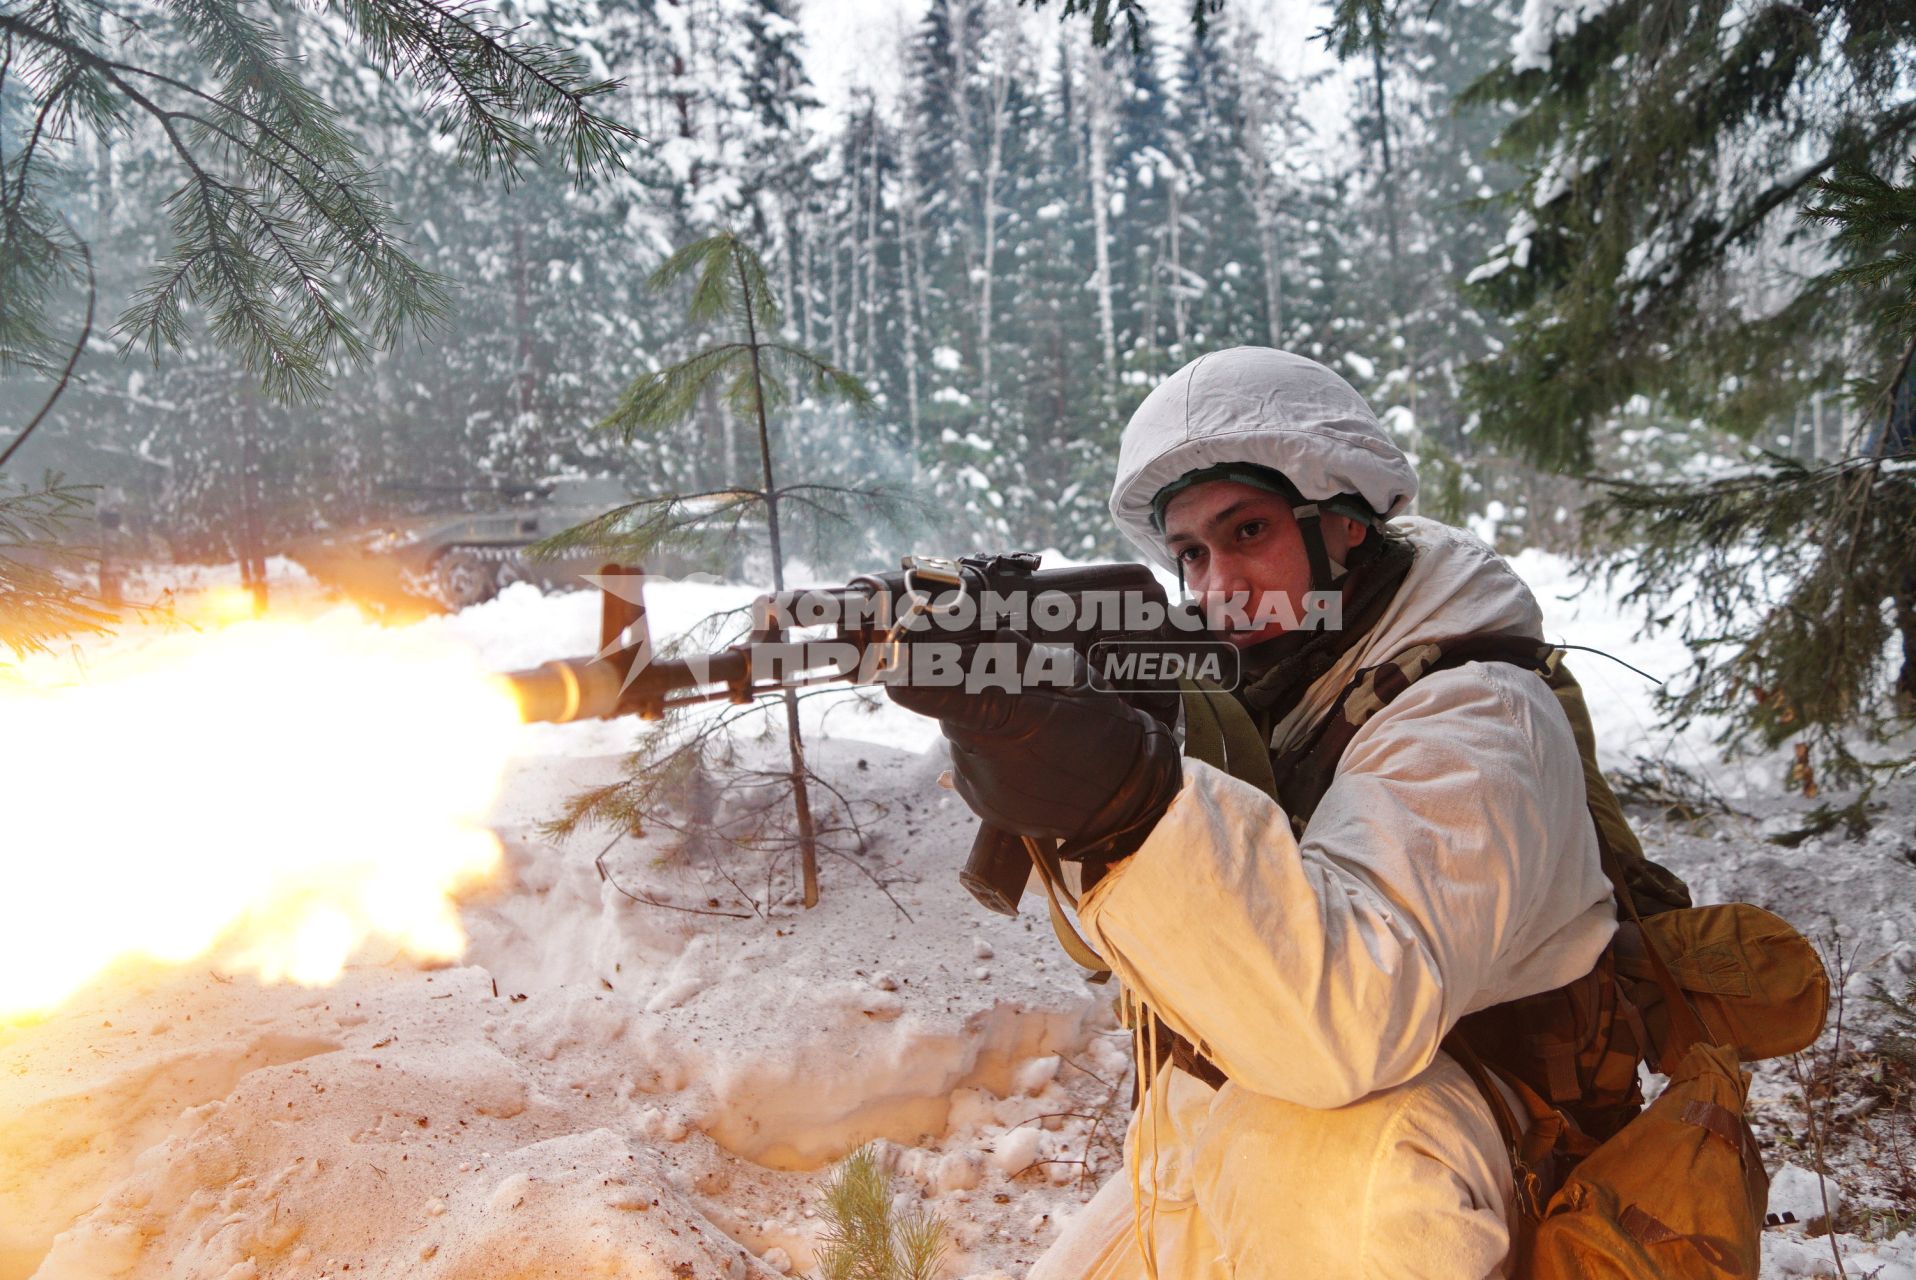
{"x": 1115, "y": 615}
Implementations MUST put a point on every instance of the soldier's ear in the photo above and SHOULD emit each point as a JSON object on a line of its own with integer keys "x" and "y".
{"x": 1355, "y": 531}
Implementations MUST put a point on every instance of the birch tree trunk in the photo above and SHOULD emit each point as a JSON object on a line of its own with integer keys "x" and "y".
{"x": 908, "y": 265}
{"x": 999, "y": 102}
{"x": 1098, "y": 113}
{"x": 875, "y": 195}
{"x": 1177, "y": 264}
{"x": 1261, "y": 190}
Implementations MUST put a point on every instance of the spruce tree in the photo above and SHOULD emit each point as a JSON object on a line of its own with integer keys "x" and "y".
{"x": 1712, "y": 220}
{"x": 1668, "y": 154}
{"x": 755, "y": 374}
{"x": 1817, "y": 645}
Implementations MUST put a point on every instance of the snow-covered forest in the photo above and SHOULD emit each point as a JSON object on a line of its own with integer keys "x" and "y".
{"x": 314, "y": 959}
{"x": 1007, "y": 252}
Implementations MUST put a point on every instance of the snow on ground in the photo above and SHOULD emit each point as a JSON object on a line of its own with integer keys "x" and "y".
{"x": 616, "y": 1086}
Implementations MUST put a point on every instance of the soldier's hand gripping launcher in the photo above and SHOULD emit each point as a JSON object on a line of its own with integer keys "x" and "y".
{"x": 861, "y": 632}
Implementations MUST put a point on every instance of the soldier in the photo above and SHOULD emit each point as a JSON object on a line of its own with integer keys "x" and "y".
{"x": 1312, "y": 1125}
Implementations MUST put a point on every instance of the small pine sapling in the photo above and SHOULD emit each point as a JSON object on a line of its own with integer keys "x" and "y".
{"x": 865, "y": 1239}
{"x": 755, "y": 373}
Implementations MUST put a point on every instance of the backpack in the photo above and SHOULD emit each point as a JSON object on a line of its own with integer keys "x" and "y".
{"x": 1604, "y": 1187}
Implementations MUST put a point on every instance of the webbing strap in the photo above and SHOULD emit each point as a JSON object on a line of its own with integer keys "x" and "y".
{"x": 1533, "y": 1150}
{"x": 1219, "y": 731}
{"x": 1308, "y": 767}
{"x": 1686, "y": 1024}
{"x": 1646, "y": 1228}
{"x": 1044, "y": 856}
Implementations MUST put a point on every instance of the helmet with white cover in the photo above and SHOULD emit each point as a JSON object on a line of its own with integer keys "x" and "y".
{"x": 1247, "y": 411}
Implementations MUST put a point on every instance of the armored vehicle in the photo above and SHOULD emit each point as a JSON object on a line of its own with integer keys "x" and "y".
{"x": 462, "y": 558}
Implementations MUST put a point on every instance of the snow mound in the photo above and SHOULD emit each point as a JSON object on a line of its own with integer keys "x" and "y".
{"x": 606, "y": 1087}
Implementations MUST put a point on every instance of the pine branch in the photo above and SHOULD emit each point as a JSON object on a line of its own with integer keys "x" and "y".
{"x": 671, "y": 521}
{"x": 821, "y": 378}
{"x": 38, "y": 602}
{"x": 1136, "y": 18}
{"x": 66, "y": 374}
{"x": 486, "y": 79}
{"x": 278, "y": 229}
{"x": 657, "y": 400}
{"x": 1786, "y": 645}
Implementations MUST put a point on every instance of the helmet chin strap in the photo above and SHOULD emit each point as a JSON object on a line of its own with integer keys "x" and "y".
{"x": 1326, "y": 574}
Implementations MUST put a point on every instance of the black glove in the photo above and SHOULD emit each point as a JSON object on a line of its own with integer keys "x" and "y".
{"x": 1072, "y": 762}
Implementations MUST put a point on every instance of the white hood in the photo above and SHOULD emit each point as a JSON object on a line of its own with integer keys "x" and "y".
{"x": 1457, "y": 586}
{"x": 1262, "y": 406}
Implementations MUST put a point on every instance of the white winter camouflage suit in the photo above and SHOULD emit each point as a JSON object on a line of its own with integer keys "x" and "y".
{"x": 1452, "y": 865}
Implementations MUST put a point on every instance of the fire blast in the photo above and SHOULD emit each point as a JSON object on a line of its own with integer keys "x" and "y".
{"x": 268, "y": 794}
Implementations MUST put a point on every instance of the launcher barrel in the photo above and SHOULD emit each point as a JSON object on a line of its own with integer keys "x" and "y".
{"x": 1076, "y": 606}
{"x": 592, "y": 688}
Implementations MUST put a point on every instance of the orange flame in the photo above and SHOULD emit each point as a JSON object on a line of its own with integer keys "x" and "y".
{"x": 275, "y": 794}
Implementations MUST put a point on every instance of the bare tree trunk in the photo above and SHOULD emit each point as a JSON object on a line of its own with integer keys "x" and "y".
{"x": 1177, "y": 264}
{"x": 994, "y": 168}
{"x": 1261, "y": 188}
{"x": 252, "y": 556}
{"x": 908, "y": 255}
{"x": 960, "y": 107}
{"x": 854, "y": 283}
{"x": 1098, "y": 107}
{"x": 1070, "y": 107}
{"x": 1273, "y": 278}
{"x": 1387, "y": 193}
{"x": 806, "y": 284}
{"x": 921, "y": 289}
{"x": 875, "y": 197}
{"x": 789, "y": 273}
{"x": 523, "y": 382}
{"x": 795, "y": 742}
{"x": 837, "y": 317}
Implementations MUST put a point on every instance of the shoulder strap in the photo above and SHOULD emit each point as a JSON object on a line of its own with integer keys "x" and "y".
{"x": 1687, "y": 1027}
{"x": 1220, "y": 732}
{"x": 1652, "y": 888}
{"x": 1534, "y": 1141}
{"x": 1306, "y": 769}
{"x": 1044, "y": 860}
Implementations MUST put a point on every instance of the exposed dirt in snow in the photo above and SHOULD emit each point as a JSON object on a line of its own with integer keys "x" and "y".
{"x": 611, "y": 1086}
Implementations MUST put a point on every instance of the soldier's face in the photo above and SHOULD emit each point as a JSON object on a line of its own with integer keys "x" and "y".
{"x": 1244, "y": 557}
